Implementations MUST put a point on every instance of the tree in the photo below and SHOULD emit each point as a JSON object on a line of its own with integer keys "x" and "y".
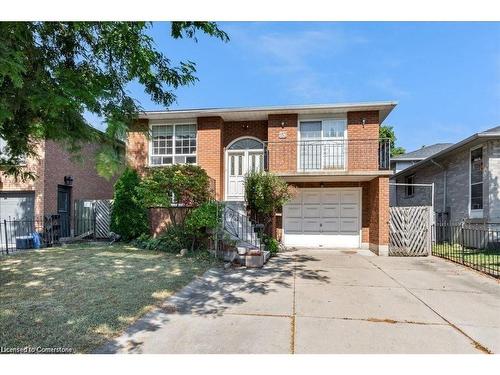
{"x": 265, "y": 194}
{"x": 179, "y": 184}
{"x": 129, "y": 218}
{"x": 387, "y": 132}
{"x": 51, "y": 73}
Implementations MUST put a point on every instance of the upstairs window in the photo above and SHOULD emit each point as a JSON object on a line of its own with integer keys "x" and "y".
{"x": 476, "y": 179}
{"x": 410, "y": 188}
{"x": 173, "y": 144}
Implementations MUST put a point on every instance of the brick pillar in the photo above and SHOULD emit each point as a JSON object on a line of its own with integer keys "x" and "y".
{"x": 210, "y": 150}
{"x": 362, "y": 144}
{"x": 138, "y": 145}
{"x": 282, "y": 135}
{"x": 379, "y": 215}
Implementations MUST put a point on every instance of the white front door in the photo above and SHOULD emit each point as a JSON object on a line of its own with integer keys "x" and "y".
{"x": 239, "y": 163}
{"x": 325, "y": 217}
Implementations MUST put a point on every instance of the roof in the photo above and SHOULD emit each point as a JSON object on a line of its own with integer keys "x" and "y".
{"x": 261, "y": 113}
{"x": 489, "y": 133}
{"x": 423, "y": 152}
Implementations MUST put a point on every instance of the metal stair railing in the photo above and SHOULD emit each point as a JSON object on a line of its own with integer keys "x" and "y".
{"x": 239, "y": 226}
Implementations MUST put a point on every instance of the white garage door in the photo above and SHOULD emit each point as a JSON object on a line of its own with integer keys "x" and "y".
{"x": 326, "y": 217}
{"x": 17, "y": 206}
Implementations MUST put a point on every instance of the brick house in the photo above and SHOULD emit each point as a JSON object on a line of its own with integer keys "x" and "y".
{"x": 59, "y": 183}
{"x": 331, "y": 152}
{"x": 465, "y": 177}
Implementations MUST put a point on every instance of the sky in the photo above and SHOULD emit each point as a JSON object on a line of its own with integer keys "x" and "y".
{"x": 444, "y": 76}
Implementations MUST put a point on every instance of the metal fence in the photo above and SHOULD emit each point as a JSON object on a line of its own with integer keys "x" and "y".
{"x": 475, "y": 246}
{"x": 45, "y": 231}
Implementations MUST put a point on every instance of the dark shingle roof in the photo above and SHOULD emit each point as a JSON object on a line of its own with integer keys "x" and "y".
{"x": 424, "y": 152}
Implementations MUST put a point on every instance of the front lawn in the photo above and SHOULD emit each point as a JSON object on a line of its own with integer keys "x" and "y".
{"x": 485, "y": 260}
{"x": 81, "y": 296}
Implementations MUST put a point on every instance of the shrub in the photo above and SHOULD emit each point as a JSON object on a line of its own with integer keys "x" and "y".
{"x": 172, "y": 240}
{"x": 128, "y": 217}
{"x": 204, "y": 218}
{"x": 271, "y": 244}
{"x": 183, "y": 184}
{"x": 266, "y": 193}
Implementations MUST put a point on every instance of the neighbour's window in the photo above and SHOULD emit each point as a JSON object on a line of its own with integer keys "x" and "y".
{"x": 476, "y": 179}
{"x": 173, "y": 144}
{"x": 410, "y": 188}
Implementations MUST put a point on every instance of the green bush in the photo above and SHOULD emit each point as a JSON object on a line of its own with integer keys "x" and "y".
{"x": 172, "y": 240}
{"x": 265, "y": 194}
{"x": 129, "y": 218}
{"x": 204, "y": 218}
{"x": 271, "y": 244}
{"x": 184, "y": 184}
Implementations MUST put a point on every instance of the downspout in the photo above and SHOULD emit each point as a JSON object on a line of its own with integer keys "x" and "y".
{"x": 444, "y": 181}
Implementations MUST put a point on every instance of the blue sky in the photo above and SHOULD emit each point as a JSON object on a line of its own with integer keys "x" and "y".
{"x": 445, "y": 76}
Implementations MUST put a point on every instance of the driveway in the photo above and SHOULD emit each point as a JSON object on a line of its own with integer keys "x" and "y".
{"x": 321, "y": 301}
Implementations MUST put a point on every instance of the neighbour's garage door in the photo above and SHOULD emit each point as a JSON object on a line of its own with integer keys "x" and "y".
{"x": 326, "y": 217}
{"x": 17, "y": 205}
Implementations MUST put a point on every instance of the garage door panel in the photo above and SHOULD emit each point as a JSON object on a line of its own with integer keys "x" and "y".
{"x": 311, "y": 210}
{"x": 328, "y": 211}
{"x": 327, "y": 217}
{"x": 348, "y": 225}
{"x": 330, "y": 197}
{"x": 293, "y": 226}
{"x": 311, "y": 197}
{"x": 349, "y": 210}
{"x": 350, "y": 197}
{"x": 293, "y": 211}
{"x": 17, "y": 206}
{"x": 330, "y": 226}
{"x": 311, "y": 226}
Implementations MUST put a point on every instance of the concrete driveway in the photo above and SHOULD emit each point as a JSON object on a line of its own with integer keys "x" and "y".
{"x": 321, "y": 301}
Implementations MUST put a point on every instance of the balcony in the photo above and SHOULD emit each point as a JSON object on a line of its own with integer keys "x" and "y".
{"x": 339, "y": 156}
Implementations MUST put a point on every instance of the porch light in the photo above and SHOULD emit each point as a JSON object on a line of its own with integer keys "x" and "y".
{"x": 283, "y": 123}
{"x": 363, "y": 122}
{"x": 68, "y": 180}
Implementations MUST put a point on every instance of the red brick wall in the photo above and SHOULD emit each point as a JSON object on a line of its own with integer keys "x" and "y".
{"x": 160, "y": 219}
{"x": 237, "y": 129}
{"x": 282, "y": 151}
{"x": 210, "y": 150}
{"x": 362, "y": 150}
{"x": 36, "y": 166}
{"x": 138, "y": 145}
{"x": 379, "y": 211}
{"x": 87, "y": 184}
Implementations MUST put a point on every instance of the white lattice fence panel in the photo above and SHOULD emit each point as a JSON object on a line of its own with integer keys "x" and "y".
{"x": 409, "y": 231}
{"x": 102, "y": 218}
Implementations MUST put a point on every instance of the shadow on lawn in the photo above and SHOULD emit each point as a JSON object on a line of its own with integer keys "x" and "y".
{"x": 79, "y": 298}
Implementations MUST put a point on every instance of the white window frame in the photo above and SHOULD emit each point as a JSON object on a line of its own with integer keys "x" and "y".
{"x": 475, "y": 213}
{"x": 173, "y": 155}
{"x": 321, "y": 119}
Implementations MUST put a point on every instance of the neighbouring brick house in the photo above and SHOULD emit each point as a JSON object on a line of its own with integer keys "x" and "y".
{"x": 60, "y": 181}
{"x": 331, "y": 152}
{"x": 465, "y": 176}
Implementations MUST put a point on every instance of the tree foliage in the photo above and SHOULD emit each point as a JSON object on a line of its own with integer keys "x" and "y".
{"x": 180, "y": 184}
{"x": 265, "y": 194}
{"x": 52, "y": 73}
{"x": 387, "y": 132}
{"x": 129, "y": 218}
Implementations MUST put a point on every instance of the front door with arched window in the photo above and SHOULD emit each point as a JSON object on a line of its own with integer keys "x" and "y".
{"x": 243, "y": 156}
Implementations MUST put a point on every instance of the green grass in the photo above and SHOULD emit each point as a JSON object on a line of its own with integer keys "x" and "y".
{"x": 81, "y": 296}
{"x": 471, "y": 257}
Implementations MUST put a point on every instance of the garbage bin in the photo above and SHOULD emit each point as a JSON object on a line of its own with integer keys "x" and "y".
{"x": 24, "y": 242}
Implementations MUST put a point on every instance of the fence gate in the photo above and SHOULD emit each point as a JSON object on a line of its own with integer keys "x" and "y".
{"x": 93, "y": 218}
{"x": 410, "y": 231}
